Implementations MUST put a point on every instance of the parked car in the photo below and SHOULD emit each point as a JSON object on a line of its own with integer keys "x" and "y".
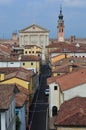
{"x": 46, "y": 92}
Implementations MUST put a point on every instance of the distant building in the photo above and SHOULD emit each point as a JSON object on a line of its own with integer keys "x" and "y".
{"x": 15, "y": 36}
{"x": 60, "y": 27}
{"x": 35, "y": 35}
{"x": 33, "y": 50}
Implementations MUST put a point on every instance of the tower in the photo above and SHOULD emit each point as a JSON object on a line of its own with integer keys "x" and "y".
{"x": 60, "y": 27}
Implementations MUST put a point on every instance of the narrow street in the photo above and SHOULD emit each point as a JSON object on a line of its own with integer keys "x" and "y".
{"x": 39, "y": 108}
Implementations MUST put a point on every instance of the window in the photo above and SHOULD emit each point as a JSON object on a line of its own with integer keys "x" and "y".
{"x": 39, "y": 55}
{"x": 23, "y": 64}
{"x": 29, "y": 51}
{"x": 55, "y": 87}
{"x": 58, "y": 74}
{"x": 32, "y": 51}
{"x": 54, "y": 111}
{"x": 25, "y": 52}
{"x": 11, "y": 63}
{"x": 31, "y": 63}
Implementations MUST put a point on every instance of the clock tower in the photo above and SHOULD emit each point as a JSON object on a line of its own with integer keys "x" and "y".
{"x": 60, "y": 27}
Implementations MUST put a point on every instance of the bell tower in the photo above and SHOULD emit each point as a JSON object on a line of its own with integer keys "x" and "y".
{"x": 60, "y": 27}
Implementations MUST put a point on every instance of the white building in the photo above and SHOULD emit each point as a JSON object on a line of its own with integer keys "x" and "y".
{"x": 35, "y": 35}
{"x": 65, "y": 88}
{"x": 53, "y": 98}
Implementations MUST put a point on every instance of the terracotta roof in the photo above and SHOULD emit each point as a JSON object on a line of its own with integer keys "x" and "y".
{"x": 8, "y": 70}
{"x": 5, "y": 49}
{"x": 50, "y": 80}
{"x": 9, "y": 59}
{"x": 30, "y": 46}
{"x": 30, "y": 58}
{"x": 20, "y": 74}
{"x": 22, "y": 89}
{"x": 9, "y": 42}
{"x": 20, "y": 99}
{"x": 80, "y": 61}
{"x": 6, "y": 93}
{"x": 65, "y": 68}
{"x": 72, "y": 113}
{"x": 61, "y": 47}
{"x": 72, "y": 80}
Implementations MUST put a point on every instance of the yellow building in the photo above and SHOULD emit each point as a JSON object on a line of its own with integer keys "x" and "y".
{"x": 32, "y": 50}
{"x": 23, "y": 77}
{"x": 31, "y": 62}
{"x": 59, "y": 57}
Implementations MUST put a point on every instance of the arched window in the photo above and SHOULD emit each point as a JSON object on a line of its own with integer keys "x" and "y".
{"x": 54, "y": 110}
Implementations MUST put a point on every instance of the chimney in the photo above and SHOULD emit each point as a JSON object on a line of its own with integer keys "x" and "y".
{"x": 15, "y": 36}
{"x": 2, "y": 76}
{"x": 72, "y": 39}
{"x": 70, "y": 68}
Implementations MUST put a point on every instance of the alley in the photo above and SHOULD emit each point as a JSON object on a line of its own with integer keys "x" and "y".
{"x": 39, "y": 108}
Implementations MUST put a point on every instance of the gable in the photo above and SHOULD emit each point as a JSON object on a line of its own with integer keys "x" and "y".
{"x": 34, "y": 28}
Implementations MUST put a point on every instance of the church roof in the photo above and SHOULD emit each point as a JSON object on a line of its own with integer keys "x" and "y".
{"x": 34, "y": 28}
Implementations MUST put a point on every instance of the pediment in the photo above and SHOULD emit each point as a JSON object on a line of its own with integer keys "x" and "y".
{"x": 34, "y": 28}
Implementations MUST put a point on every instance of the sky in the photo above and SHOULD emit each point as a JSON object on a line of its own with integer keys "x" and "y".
{"x": 19, "y": 14}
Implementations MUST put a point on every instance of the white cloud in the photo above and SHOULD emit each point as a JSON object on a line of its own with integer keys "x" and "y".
{"x": 78, "y": 3}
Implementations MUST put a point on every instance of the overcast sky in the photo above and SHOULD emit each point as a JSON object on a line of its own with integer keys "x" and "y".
{"x": 18, "y": 14}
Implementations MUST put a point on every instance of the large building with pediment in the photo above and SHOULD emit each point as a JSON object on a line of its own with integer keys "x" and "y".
{"x": 35, "y": 35}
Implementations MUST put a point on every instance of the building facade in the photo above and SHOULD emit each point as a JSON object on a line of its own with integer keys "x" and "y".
{"x": 35, "y": 35}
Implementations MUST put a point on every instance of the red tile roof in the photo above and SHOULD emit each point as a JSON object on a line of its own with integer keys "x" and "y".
{"x": 20, "y": 99}
{"x": 72, "y": 113}
{"x": 8, "y": 70}
{"x": 30, "y": 46}
{"x": 23, "y": 90}
{"x": 4, "y": 49}
{"x": 6, "y": 95}
{"x": 20, "y": 74}
{"x": 80, "y": 61}
{"x": 72, "y": 80}
{"x": 30, "y": 58}
{"x": 50, "y": 80}
{"x": 66, "y": 47}
{"x": 65, "y": 68}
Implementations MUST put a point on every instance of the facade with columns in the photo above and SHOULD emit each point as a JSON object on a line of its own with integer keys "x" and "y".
{"x": 35, "y": 35}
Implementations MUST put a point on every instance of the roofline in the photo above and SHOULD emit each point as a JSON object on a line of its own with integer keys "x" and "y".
{"x": 34, "y": 25}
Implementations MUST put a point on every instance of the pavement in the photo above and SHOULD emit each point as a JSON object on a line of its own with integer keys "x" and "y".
{"x": 51, "y": 123}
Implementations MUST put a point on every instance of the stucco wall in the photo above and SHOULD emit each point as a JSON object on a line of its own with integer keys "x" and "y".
{"x": 76, "y": 91}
